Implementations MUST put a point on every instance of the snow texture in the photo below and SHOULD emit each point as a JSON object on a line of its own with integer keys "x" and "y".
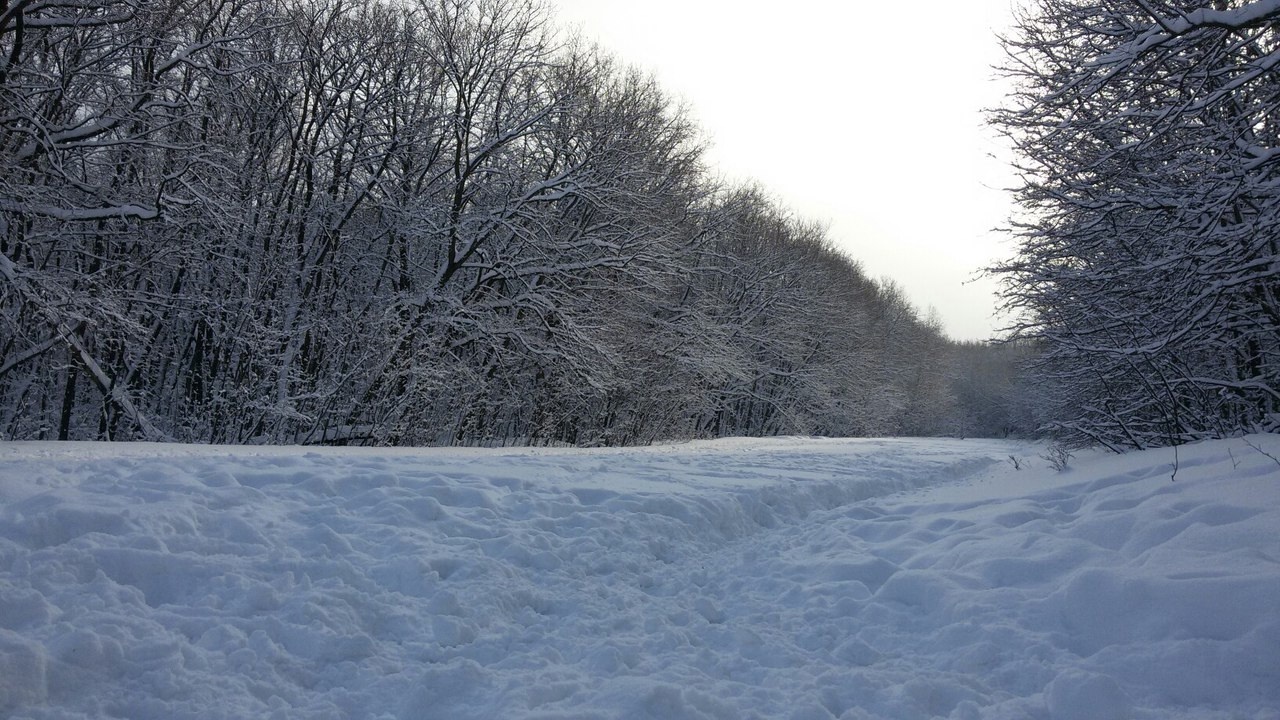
{"x": 794, "y": 578}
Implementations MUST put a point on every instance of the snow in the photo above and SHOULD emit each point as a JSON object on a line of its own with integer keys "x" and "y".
{"x": 790, "y": 578}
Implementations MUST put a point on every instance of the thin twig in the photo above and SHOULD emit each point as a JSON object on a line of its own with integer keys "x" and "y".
{"x": 1274, "y": 459}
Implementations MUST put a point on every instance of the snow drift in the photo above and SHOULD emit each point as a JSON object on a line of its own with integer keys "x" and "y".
{"x": 798, "y": 579}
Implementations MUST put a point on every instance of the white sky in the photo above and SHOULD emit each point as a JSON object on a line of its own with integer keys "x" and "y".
{"x": 863, "y": 115}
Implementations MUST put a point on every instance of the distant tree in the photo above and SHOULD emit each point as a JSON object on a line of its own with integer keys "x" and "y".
{"x": 1147, "y": 266}
{"x": 993, "y": 395}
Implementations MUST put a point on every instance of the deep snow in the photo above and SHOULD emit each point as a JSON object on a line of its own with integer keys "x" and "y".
{"x": 794, "y": 578}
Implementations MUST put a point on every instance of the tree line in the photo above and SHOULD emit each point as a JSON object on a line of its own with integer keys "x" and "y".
{"x": 1147, "y": 135}
{"x": 427, "y": 222}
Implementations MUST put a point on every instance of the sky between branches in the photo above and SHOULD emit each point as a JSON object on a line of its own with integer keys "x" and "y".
{"x": 865, "y": 116}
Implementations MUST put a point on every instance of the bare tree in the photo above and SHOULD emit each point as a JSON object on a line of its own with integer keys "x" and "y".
{"x": 1147, "y": 260}
{"x": 401, "y": 222}
{"x": 101, "y": 104}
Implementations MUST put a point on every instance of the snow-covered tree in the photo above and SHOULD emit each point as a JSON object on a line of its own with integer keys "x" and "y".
{"x": 105, "y": 116}
{"x": 436, "y": 221}
{"x": 1148, "y": 264}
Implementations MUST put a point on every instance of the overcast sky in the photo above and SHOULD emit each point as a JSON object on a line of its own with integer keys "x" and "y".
{"x": 863, "y": 115}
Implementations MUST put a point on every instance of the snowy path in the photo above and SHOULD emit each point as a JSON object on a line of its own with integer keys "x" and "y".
{"x": 735, "y": 579}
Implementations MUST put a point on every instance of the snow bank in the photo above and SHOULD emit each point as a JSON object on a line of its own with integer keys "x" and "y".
{"x": 793, "y": 578}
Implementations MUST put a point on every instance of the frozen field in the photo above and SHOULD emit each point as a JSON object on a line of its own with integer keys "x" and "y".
{"x": 795, "y": 579}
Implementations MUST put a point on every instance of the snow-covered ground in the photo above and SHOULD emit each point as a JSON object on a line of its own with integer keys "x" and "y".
{"x": 797, "y": 579}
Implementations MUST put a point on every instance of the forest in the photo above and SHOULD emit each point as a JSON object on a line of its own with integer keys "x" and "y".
{"x": 450, "y": 222}
{"x": 432, "y": 222}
